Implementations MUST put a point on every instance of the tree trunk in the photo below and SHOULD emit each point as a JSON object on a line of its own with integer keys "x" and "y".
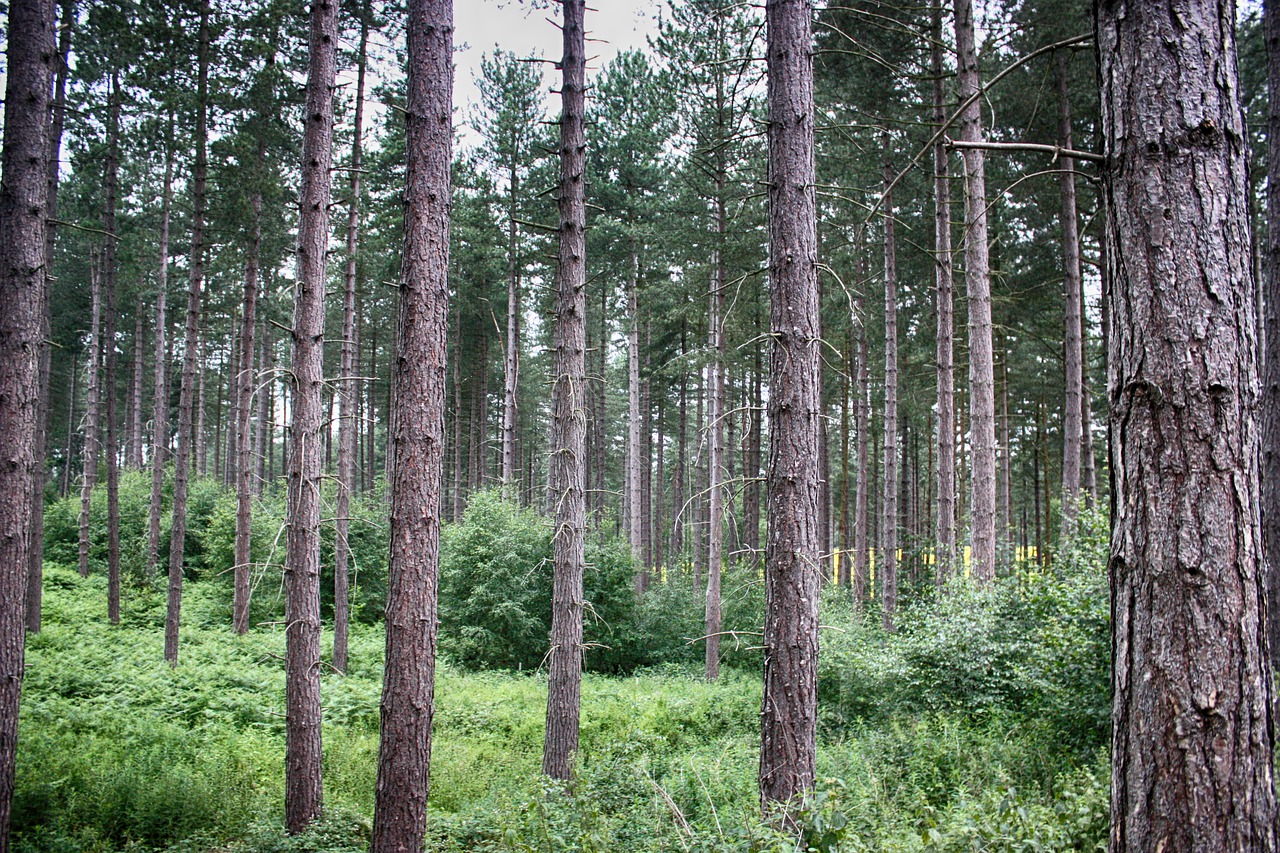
{"x": 457, "y": 414}
{"x": 347, "y": 427}
{"x": 982, "y": 401}
{"x": 789, "y": 716}
{"x": 1192, "y": 710}
{"x": 89, "y": 454}
{"x": 1071, "y": 284}
{"x": 112, "y": 179}
{"x": 944, "y": 295}
{"x": 889, "y": 500}
{"x": 24, "y": 195}
{"x": 634, "y": 501}
{"x": 266, "y": 435}
{"x": 303, "y": 794}
{"x": 35, "y": 568}
{"x": 186, "y": 394}
{"x": 715, "y": 454}
{"x": 133, "y": 448}
{"x": 568, "y": 419}
{"x": 404, "y": 753}
{"x": 160, "y": 377}
{"x": 245, "y": 380}
{"x": 511, "y": 361}
{"x": 862, "y": 423}
{"x": 678, "y": 480}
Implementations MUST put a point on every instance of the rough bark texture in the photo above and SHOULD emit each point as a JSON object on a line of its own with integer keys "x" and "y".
{"x": 160, "y": 379}
{"x": 889, "y": 500}
{"x": 789, "y": 716}
{"x": 23, "y": 197}
{"x": 191, "y": 345}
{"x": 404, "y": 755}
{"x": 566, "y": 478}
{"x": 633, "y": 492}
{"x": 1270, "y": 413}
{"x": 945, "y": 298}
{"x": 1192, "y": 711}
{"x": 1072, "y": 427}
{"x": 982, "y": 399}
{"x": 303, "y": 797}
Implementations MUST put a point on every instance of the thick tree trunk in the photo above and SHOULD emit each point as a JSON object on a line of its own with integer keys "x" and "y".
{"x": 944, "y": 296}
{"x": 112, "y": 179}
{"x": 889, "y": 500}
{"x": 89, "y": 453}
{"x": 404, "y": 754}
{"x": 348, "y": 429}
{"x": 1072, "y": 429}
{"x": 23, "y": 198}
{"x": 303, "y": 789}
{"x": 1192, "y": 710}
{"x": 789, "y": 716}
{"x": 160, "y": 377}
{"x": 35, "y": 568}
{"x": 186, "y": 394}
{"x": 568, "y": 418}
{"x": 982, "y": 401}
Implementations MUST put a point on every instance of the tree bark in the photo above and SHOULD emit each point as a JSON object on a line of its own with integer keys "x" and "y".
{"x": 404, "y": 754}
{"x": 24, "y": 194}
{"x": 715, "y": 454}
{"x": 862, "y": 423}
{"x": 568, "y": 417}
{"x": 1192, "y": 714}
{"x": 789, "y": 716}
{"x": 160, "y": 377}
{"x": 133, "y": 448}
{"x": 634, "y": 501}
{"x": 303, "y": 789}
{"x": 1072, "y": 428}
{"x": 245, "y": 380}
{"x": 945, "y": 298}
{"x": 112, "y": 180}
{"x": 982, "y": 401}
{"x": 889, "y": 499}
{"x": 89, "y": 453}
{"x": 347, "y": 427}
{"x": 186, "y": 394}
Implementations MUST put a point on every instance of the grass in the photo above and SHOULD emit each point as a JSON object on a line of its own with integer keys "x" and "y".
{"x": 120, "y": 752}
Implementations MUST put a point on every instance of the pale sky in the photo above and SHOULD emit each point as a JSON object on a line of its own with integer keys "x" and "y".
{"x": 482, "y": 25}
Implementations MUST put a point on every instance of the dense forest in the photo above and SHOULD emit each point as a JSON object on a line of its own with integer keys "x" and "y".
{"x": 387, "y": 471}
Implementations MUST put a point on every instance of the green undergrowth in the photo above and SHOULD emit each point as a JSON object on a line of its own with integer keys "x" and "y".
{"x": 975, "y": 728}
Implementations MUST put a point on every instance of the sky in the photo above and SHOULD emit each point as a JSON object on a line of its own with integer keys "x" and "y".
{"x": 482, "y": 25}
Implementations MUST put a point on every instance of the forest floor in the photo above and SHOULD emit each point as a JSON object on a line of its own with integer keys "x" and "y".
{"x": 119, "y": 752}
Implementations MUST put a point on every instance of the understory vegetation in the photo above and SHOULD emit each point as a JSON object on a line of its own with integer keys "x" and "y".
{"x": 980, "y": 725}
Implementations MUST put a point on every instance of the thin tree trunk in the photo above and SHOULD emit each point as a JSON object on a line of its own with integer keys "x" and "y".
{"x": 982, "y": 404}
{"x": 844, "y": 578}
{"x": 511, "y": 361}
{"x": 201, "y": 463}
{"x": 404, "y": 752}
{"x": 186, "y": 394}
{"x": 347, "y": 427}
{"x": 35, "y": 568}
{"x": 245, "y": 381}
{"x": 568, "y": 420}
{"x": 889, "y": 500}
{"x": 133, "y": 451}
{"x": 160, "y": 376}
{"x": 303, "y": 791}
{"x": 65, "y": 488}
{"x": 266, "y": 435}
{"x": 862, "y": 422}
{"x": 1071, "y": 286}
{"x": 944, "y": 296}
{"x": 678, "y": 481}
{"x": 789, "y": 717}
{"x": 24, "y": 195}
{"x": 457, "y": 414}
{"x": 715, "y": 454}
{"x": 112, "y": 179}
{"x": 1192, "y": 713}
{"x": 89, "y": 455}
{"x": 634, "y": 502}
